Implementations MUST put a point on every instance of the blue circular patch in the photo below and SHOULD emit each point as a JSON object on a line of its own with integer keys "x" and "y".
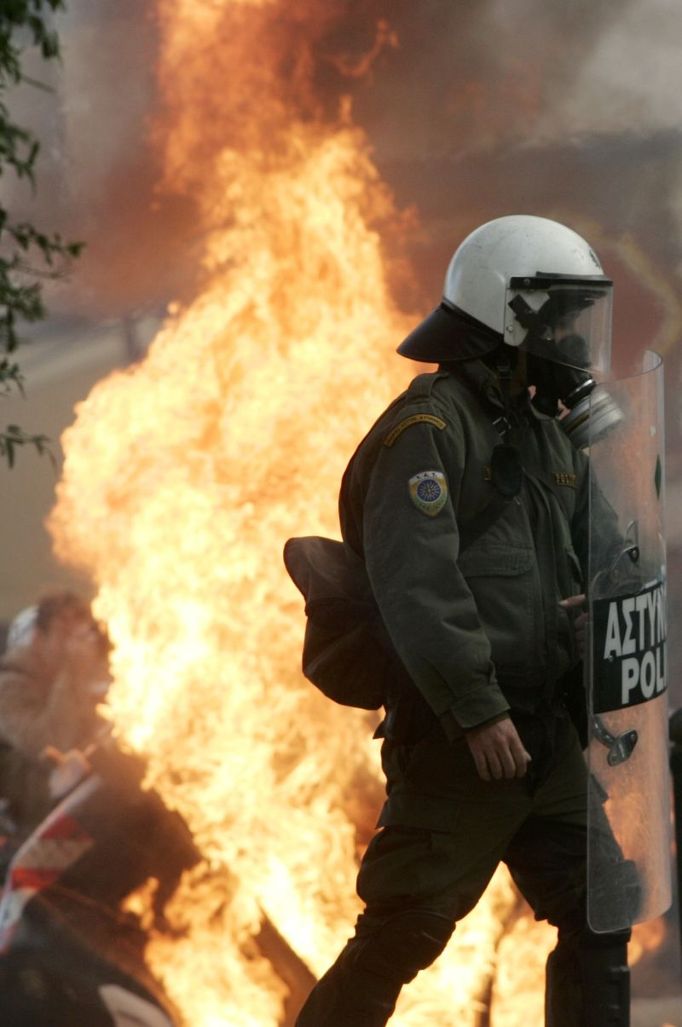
{"x": 429, "y": 490}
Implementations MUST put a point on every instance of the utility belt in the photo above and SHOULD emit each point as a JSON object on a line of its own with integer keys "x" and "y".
{"x": 536, "y": 701}
{"x": 530, "y": 693}
{"x": 409, "y": 717}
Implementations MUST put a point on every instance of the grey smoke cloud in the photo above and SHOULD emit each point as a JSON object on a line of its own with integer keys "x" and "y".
{"x": 97, "y": 170}
{"x": 106, "y": 90}
{"x": 472, "y": 110}
{"x": 567, "y": 110}
{"x": 629, "y": 79}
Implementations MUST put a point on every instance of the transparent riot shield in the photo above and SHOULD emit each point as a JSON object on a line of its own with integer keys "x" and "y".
{"x": 629, "y": 781}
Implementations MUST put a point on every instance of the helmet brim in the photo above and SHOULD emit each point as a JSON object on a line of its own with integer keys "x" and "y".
{"x": 449, "y": 334}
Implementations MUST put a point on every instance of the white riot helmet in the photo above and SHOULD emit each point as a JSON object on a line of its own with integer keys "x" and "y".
{"x": 536, "y": 286}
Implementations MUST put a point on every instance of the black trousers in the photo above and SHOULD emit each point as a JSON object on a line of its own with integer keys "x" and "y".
{"x": 418, "y": 882}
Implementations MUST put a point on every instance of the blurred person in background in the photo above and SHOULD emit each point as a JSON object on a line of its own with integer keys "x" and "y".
{"x": 53, "y": 675}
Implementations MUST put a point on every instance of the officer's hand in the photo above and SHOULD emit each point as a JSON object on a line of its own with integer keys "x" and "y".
{"x": 497, "y": 750}
{"x": 576, "y": 604}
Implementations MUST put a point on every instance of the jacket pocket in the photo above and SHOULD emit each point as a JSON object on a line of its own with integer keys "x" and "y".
{"x": 505, "y": 585}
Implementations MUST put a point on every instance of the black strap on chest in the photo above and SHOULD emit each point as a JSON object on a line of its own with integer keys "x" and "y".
{"x": 506, "y": 475}
{"x": 478, "y": 525}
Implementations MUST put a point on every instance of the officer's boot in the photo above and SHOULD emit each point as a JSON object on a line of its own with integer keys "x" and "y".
{"x": 588, "y": 981}
{"x": 606, "y": 980}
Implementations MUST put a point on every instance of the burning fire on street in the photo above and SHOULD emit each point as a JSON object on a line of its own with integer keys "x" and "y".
{"x": 183, "y": 478}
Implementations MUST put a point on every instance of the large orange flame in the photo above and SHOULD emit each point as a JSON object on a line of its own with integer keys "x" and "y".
{"x": 183, "y": 478}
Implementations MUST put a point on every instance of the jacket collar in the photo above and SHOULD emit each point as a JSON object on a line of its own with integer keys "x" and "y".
{"x": 481, "y": 379}
{"x": 485, "y": 384}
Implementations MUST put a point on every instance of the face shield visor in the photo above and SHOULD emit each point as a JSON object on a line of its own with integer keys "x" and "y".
{"x": 563, "y": 325}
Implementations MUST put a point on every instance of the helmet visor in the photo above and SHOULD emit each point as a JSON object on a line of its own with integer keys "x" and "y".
{"x": 563, "y": 319}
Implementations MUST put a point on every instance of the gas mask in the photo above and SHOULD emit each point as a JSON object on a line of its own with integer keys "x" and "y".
{"x": 563, "y": 325}
{"x": 568, "y": 391}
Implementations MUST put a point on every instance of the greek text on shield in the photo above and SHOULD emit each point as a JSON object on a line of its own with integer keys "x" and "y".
{"x": 629, "y": 633}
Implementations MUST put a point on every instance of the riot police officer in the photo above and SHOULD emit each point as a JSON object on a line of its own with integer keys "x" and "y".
{"x": 468, "y": 503}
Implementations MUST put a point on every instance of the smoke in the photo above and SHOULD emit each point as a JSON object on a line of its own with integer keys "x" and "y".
{"x": 471, "y": 111}
{"x": 551, "y": 108}
{"x": 627, "y": 82}
{"x": 107, "y": 172}
{"x": 97, "y": 172}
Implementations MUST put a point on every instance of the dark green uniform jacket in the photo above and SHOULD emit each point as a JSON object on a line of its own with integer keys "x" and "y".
{"x": 478, "y": 630}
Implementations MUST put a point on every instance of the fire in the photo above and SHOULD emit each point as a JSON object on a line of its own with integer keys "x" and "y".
{"x": 183, "y": 478}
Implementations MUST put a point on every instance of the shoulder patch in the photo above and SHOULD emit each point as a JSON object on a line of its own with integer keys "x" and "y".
{"x": 396, "y": 432}
{"x": 429, "y": 491}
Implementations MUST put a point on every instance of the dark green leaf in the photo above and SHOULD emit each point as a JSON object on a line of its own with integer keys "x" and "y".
{"x": 30, "y": 254}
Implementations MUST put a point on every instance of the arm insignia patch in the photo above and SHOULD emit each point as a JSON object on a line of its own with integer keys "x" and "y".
{"x": 396, "y": 432}
{"x": 429, "y": 491}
